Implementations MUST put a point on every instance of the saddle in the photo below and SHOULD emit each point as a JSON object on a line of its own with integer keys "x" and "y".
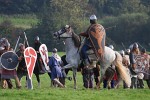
{"x": 91, "y": 55}
{"x": 92, "y": 58}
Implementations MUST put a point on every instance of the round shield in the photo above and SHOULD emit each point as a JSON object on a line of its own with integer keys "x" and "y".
{"x": 9, "y": 60}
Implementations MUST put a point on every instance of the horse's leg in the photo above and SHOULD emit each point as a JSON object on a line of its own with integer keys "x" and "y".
{"x": 51, "y": 82}
{"x": 102, "y": 76}
{"x": 67, "y": 66}
{"x": 65, "y": 75}
{"x": 67, "y": 70}
{"x": 74, "y": 77}
{"x": 109, "y": 82}
{"x": 38, "y": 79}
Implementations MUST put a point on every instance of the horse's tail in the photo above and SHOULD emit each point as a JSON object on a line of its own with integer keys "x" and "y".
{"x": 122, "y": 70}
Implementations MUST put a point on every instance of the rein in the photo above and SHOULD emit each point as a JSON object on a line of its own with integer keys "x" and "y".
{"x": 80, "y": 43}
{"x": 65, "y": 37}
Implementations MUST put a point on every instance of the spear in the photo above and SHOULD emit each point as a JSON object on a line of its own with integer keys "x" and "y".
{"x": 123, "y": 46}
{"x": 140, "y": 45}
{"x": 16, "y": 44}
{"x": 26, "y": 39}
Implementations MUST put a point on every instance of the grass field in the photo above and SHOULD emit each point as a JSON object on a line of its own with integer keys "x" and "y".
{"x": 23, "y": 21}
{"x": 45, "y": 92}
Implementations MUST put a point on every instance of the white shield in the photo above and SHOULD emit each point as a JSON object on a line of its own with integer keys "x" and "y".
{"x": 44, "y": 54}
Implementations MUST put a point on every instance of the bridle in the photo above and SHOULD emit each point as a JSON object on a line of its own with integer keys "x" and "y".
{"x": 58, "y": 35}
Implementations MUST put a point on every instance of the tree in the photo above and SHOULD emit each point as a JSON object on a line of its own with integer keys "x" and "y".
{"x": 57, "y": 13}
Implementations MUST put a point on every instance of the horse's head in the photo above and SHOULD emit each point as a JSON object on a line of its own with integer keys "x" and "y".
{"x": 65, "y": 32}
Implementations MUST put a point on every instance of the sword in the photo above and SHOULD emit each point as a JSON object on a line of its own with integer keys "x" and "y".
{"x": 17, "y": 44}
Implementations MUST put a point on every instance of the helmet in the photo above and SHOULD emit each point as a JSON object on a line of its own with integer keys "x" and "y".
{"x": 143, "y": 50}
{"x": 2, "y": 48}
{"x": 127, "y": 51}
{"x": 54, "y": 50}
{"x": 20, "y": 44}
{"x": 67, "y": 26}
{"x": 122, "y": 53}
{"x": 93, "y": 17}
{"x": 6, "y": 43}
{"x": 111, "y": 46}
{"x": 36, "y": 38}
{"x": 135, "y": 45}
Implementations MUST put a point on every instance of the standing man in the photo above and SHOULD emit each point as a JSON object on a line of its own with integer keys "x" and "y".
{"x": 132, "y": 56}
{"x": 22, "y": 68}
{"x": 147, "y": 67}
{"x": 6, "y": 74}
{"x": 95, "y": 39}
{"x": 39, "y": 67}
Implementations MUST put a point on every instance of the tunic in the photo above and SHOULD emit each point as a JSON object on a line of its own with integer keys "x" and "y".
{"x": 56, "y": 71}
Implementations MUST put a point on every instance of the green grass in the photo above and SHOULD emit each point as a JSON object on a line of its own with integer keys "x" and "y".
{"x": 45, "y": 92}
{"x": 23, "y": 21}
{"x": 59, "y": 53}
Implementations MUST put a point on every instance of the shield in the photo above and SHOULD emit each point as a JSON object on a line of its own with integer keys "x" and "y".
{"x": 44, "y": 54}
{"x": 30, "y": 59}
{"x": 97, "y": 37}
{"x": 9, "y": 60}
{"x": 142, "y": 62}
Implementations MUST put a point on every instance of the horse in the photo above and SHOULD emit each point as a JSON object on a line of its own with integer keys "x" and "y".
{"x": 73, "y": 57}
{"x": 63, "y": 58}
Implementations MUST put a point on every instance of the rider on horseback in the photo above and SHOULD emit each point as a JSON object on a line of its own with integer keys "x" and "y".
{"x": 95, "y": 39}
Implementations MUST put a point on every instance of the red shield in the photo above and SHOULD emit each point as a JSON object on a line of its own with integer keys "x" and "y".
{"x": 30, "y": 59}
{"x": 44, "y": 55}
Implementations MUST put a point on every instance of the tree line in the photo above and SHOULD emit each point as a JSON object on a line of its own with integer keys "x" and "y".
{"x": 131, "y": 18}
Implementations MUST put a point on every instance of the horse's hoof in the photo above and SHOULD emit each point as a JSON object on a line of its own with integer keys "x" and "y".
{"x": 109, "y": 88}
{"x": 97, "y": 87}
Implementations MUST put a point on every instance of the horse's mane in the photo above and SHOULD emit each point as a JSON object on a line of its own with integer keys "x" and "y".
{"x": 76, "y": 39}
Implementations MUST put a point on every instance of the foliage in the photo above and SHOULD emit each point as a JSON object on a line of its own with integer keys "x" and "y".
{"x": 20, "y": 6}
{"x": 61, "y": 12}
{"x": 129, "y": 28}
{"x": 24, "y": 21}
{"x": 131, "y": 18}
{"x": 118, "y": 7}
{"x": 8, "y": 30}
